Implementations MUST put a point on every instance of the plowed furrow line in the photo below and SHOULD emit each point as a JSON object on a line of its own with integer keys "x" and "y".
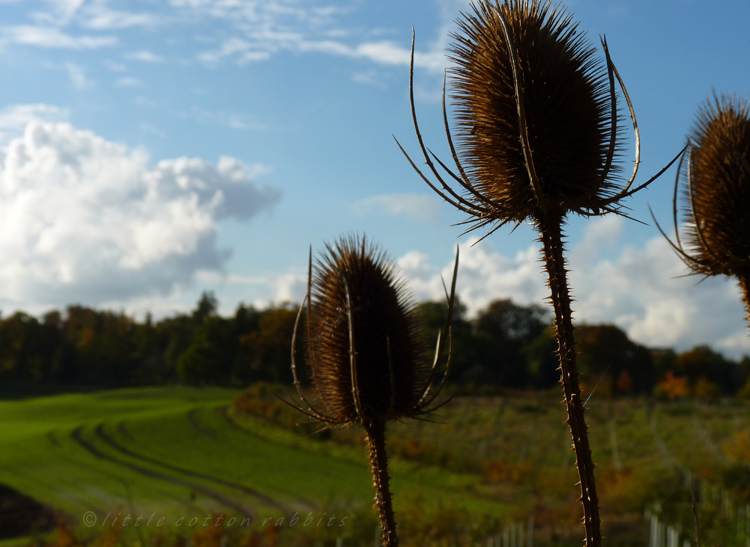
{"x": 99, "y": 431}
{"x": 224, "y": 500}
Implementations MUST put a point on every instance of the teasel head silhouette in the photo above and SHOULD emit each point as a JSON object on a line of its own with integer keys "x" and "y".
{"x": 367, "y": 353}
{"x": 716, "y": 195}
{"x": 539, "y": 137}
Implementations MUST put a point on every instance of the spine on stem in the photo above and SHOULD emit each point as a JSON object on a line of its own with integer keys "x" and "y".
{"x": 554, "y": 262}
{"x": 745, "y": 288}
{"x": 375, "y": 432}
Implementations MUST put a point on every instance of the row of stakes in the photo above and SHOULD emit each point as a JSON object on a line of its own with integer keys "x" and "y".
{"x": 665, "y": 535}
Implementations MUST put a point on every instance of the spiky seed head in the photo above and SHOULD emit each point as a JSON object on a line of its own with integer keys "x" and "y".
{"x": 384, "y": 320}
{"x": 564, "y": 89}
{"x": 720, "y": 179}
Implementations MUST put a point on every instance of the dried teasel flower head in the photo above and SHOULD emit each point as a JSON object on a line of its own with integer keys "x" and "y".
{"x": 566, "y": 102}
{"x": 716, "y": 196}
{"x": 366, "y": 352}
{"x": 537, "y": 117}
{"x": 366, "y": 348}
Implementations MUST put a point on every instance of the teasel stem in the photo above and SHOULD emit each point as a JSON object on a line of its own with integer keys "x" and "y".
{"x": 745, "y": 287}
{"x": 375, "y": 433}
{"x": 550, "y": 228}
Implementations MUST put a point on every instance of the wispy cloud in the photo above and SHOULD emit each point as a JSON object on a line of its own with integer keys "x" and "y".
{"x": 245, "y": 32}
{"x": 232, "y": 120}
{"x": 51, "y": 37}
{"x": 99, "y": 16}
{"x": 60, "y": 12}
{"x": 262, "y": 29}
{"x": 78, "y": 76}
{"x": 390, "y": 53}
{"x": 419, "y": 206}
{"x": 241, "y": 50}
{"x": 144, "y": 56}
{"x": 382, "y": 52}
{"x": 375, "y": 78}
{"x": 127, "y": 81}
{"x": 114, "y": 66}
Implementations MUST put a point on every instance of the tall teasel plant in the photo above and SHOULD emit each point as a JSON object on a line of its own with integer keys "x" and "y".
{"x": 538, "y": 138}
{"x": 716, "y": 195}
{"x": 367, "y": 353}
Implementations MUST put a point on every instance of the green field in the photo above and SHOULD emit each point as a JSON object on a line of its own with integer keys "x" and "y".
{"x": 178, "y": 453}
{"x": 177, "y": 456}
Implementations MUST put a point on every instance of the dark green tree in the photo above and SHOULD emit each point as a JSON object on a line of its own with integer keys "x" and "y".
{"x": 463, "y": 349}
{"x": 605, "y": 351}
{"x": 502, "y": 330}
{"x": 542, "y": 364}
{"x": 270, "y": 345}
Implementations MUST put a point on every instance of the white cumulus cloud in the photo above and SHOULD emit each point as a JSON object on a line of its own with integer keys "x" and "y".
{"x": 15, "y": 118}
{"x": 484, "y": 275}
{"x": 86, "y": 220}
{"x": 642, "y": 289}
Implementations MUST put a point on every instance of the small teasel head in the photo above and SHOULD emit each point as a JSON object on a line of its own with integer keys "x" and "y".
{"x": 367, "y": 353}
{"x": 365, "y": 345}
{"x": 716, "y": 199}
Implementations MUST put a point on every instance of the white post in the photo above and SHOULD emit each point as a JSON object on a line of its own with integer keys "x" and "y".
{"x": 672, "y": 537}
{"x": 530, "y": 535}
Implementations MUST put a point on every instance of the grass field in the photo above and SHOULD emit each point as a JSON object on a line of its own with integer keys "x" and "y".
{"x": 180, "y": 455}
{"x": 177, "y": 453}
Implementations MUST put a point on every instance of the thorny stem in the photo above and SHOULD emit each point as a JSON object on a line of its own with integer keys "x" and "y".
{"x": 694, "y": 506}
{"x": 375, "y": 432}
{"x": 550, "y": 227}
{"x": 745, "y": 287}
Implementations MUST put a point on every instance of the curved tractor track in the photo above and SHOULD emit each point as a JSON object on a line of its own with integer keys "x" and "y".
{"x": 101, "y": 434}
{"x": 77, "y": 436}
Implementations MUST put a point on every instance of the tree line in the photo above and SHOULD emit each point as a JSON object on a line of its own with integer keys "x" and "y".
{"x": 505, "y": 346}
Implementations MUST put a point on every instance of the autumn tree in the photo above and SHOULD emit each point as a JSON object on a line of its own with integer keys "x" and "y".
{"x": 605, "y": 351}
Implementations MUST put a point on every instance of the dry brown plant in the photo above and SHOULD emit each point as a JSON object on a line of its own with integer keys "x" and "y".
{"x": 538, "y": 138}
{"x": 367, "y": 353}
{"x": 716, "y": 194}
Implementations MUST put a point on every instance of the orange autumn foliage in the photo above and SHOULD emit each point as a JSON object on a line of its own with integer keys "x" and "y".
{"x": 672, "y": 387}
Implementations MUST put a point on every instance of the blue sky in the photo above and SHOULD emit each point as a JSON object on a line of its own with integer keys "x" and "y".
{"x": 156, "y": 149}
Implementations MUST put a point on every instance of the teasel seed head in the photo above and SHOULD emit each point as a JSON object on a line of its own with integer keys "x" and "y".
{"x": 367, "y": 353}
{"x": 538, "y": 121}
{"x": 717, "y": 195}
{"x": 565, "y": 95}
{"x": 366, "y": 348}
{"x": 391, "y": 358}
